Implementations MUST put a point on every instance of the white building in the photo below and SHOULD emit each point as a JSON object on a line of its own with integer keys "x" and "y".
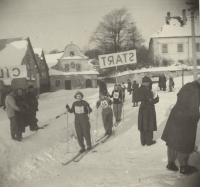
{"x": 173, "y": 43}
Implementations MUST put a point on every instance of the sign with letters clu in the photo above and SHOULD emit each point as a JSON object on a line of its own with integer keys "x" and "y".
{"x": 117, "y": 59}
{"x": 13, "y": 72}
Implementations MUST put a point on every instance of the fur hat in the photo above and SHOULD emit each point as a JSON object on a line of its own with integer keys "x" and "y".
{"x": 78, "y": 93}
{"x": 146, "y": 79}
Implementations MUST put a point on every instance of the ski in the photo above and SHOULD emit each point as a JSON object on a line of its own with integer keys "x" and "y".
{"x": 72, "y": 159}
{"x": 100, "y": 138}
{"x": 116, "y": 124}
{"x": 78, "y": 158}
{"x": 107, "y": 137}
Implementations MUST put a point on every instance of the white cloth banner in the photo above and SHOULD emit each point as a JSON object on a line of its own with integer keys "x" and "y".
{"x": 12, "y": 72}
{"x": 117, "y": 59}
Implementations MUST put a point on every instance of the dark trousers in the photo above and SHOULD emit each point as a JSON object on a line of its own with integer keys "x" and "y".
{"x": 117, "y": 109}
{"x": 14, "y": 130}
{"x": 107, "y": 122}
{"x": 82, "y": 126}
{"x": 32, "y": 120}
{"x": 146, "y": 137}
{"x": 181, "y": 157}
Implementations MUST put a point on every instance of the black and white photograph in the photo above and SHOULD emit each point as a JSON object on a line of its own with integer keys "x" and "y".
{"x": 99, "y": 93}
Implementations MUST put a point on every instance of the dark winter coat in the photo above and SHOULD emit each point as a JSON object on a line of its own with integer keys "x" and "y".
{"x": 32, "y": 101}
{"x": 135, "y": 93}
{"x": 22, "y": 116}
{"x": 163, "y": 81}
{"x": 147, "y": 114}
{"x": 171, "y": 83}
{"x": 102, "y": 87}
{"x": 129, "y": 86}
{"x": 180, "y": 130}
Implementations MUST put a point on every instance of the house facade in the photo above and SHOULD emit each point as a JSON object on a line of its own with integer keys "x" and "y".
{"x": 172, "y": 44}
{"x": 18, "y": 65}
{"x": 72, "y": 70}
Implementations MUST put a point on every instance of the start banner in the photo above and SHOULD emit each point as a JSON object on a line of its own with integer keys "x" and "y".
{"x": 117, "y": 59}
{"x": 13, "y": 72}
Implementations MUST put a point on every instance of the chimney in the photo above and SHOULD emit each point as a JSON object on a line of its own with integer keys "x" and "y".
{"x": 184, "y": 16}
{"x": 168, "y": 18}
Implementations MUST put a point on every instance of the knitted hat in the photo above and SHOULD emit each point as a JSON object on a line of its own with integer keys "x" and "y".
{"x": 146, "y": 79}
{"x": 78, "y": 93}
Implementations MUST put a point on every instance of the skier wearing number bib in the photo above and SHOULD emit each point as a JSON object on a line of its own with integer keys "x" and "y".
{"x": 81, "y": 109}
{"x": 107, "y": 113}
{"x": 117, "y": 103}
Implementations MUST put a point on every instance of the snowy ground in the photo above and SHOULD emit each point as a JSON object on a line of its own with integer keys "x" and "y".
{"x": 120, "y": 162}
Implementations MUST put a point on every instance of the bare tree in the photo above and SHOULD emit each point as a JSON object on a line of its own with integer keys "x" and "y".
{"x": 115, "y": 32}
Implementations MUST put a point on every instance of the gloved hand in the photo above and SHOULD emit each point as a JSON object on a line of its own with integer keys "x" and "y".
{"x": 67, "y": 107}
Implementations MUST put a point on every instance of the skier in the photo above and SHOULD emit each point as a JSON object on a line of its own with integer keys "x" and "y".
{"x": 123, "y": 88}
{"x": 33, "y": 108}
{"x": 10, "y": 110}
{"x": 81, "y": 109}
{"x": 102, "y": 87}
{"x": 117, "y": 102}
{"x": 181, "y": 127}
{"x": 129, "y": 86}
{"x": 171, "y": 83}
{"x": 135, "y": 93}
{"x": 107, "y": 113}
{"x": 147, "y": 114}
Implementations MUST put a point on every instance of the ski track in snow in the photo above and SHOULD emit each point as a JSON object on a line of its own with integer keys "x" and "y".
{"x": 120, "y": 162}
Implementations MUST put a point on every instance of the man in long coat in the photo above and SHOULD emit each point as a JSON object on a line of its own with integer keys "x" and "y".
{"x": 102, "y": 87}
{"x": 135, "y": 93}
{"x": 129, "y": 86}
{"x": 180, "y": 130}
{"x": 147, "y": 114}
{"x": 163, "y": 82}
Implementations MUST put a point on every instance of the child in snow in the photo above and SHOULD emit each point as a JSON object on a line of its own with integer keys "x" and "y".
{"x": 107, "y": 113}
{"x": 171, "y": 83}
{"x": 81, "y": 109}
{"x": 117, "y": 102}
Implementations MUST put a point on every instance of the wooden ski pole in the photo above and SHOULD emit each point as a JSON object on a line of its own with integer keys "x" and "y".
{"x": 67, "y": 133}
{"x": 92, "y": 140}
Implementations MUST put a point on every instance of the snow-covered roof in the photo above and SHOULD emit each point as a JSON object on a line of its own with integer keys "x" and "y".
{"x": 12, "y": 51}
{"x": 52, "y": 59}
{"x": 56, "y": 72}
{"x": 174, "y": 29}
{"x": 73, "y": 57}
{"x": 38, "y": 51}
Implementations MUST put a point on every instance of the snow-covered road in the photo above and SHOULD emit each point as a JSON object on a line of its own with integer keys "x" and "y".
{"x": 120, "y": 162}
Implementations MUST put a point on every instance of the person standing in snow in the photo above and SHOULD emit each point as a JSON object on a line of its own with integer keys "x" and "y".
{"x": 11, "y": 107}
{"x": 123, "y": 89}
{"x": 129, "y": 86}
{"x": 171, "y": 83}
{"x": 181, "y": 127}
{"x": 21, "y": 117}
{"x": 102, "y": 87}
{"x": 149, "y": 81}
{"x": 33, "y": 108}
{"x": 135, "y": 93}
{"x": 107, "y": 113}
{"x": 159, "y": 82}
{"x": 81, "y": 109}
{"x": 147, "y": 114}
{"x": 163, "y": 82}
{"x": 117, "y": 102}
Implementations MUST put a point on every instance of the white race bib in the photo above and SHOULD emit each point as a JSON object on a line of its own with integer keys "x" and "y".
{"x": 79, "y": 109}
{"x": 104, "y": 104}
{"x": 116, "y": 95}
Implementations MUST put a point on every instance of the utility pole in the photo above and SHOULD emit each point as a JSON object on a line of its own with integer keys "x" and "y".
{"x": 194, "y": 58}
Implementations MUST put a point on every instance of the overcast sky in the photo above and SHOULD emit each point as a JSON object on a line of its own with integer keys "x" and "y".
{"x": 52, "y": 24}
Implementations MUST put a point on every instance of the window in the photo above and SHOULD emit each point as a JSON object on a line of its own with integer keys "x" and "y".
{"x": 198, "y": 47}
{"x": 164, "y": 48}
{"x": 57, "y": 83}
{"x": 78, "y": 67}
{"x": 71, "y": 53}
{"x": 77, "y": 82}
{"x": 198, "y": 62}
{"x": 72, "y": 65}
{"x": 66, "y": 67}
{"x": 180, "y": 47}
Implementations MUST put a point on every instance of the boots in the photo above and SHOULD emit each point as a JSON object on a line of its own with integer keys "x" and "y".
{"x": 186, "y": 170}
{"x": 151, "y": 143}
{"x": 82, "y": 150}
{"x": 172, "y": 166}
